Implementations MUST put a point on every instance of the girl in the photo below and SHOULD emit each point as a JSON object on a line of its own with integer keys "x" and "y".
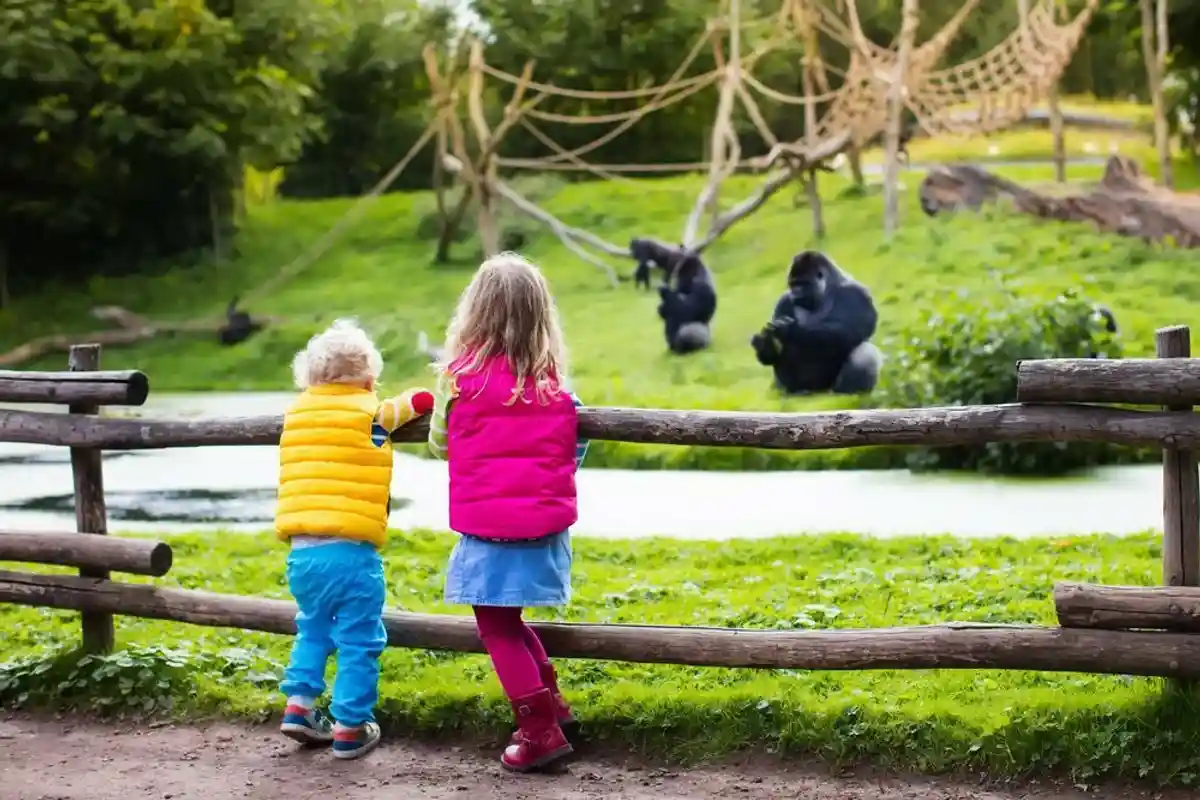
{"x": 506, "y": 423}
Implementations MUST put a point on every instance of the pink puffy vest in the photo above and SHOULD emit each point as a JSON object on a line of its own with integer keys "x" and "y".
{"x": 512, "y": 467}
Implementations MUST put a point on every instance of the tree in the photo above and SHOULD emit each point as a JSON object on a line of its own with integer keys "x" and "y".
{"x": 121, "y": 117}
{"x": 1154, "y": 52}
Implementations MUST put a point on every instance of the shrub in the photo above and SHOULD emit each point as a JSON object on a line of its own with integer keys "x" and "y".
{"x": 969, "y": 357}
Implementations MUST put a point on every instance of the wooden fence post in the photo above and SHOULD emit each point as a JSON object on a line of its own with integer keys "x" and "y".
{"x": 1181, "y": 484}
{"x": 91, "y": 516}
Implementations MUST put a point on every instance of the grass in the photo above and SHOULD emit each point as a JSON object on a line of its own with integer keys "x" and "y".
{"x": 1008, "y": 724}
{"x": 381, "y": 271}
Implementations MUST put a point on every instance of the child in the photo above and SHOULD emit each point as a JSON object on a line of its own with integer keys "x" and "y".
{"x": 506, "y": 423}
{"x": 335, "y": 475}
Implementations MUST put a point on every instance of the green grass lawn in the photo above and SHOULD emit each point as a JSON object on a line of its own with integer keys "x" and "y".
{"x": 381, "y": 270}
{"x": 1004, "y": 723}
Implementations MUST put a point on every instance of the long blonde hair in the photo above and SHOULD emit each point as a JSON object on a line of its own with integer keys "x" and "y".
{"x": 507, "y": 310}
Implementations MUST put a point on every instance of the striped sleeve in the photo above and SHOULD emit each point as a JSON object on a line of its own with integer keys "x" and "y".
{"x": 390, "y": 414}
{"x": 581, "y": 444}
{"x": 443, "y": 395}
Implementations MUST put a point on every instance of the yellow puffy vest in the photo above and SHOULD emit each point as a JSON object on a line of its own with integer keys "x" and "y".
{"x": 333, "y": 480}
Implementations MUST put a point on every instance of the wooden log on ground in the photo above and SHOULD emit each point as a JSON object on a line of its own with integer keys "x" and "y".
{"x": 958, "y": 646}
{"x": 91, "y": 514}
{"x": 135, "y": 556}
{"x": 1124, "y": 203}
{"x": 826, "y": 430}
{"x": 123, "y": 388}
{"x": 1181, "y": 481}
{"x": 130, "y": 328}
{"x": 1168, "y": 608}
{"x": 1145, "y": 381}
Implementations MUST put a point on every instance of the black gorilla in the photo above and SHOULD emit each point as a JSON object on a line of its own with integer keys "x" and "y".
{"x": 238, "y": 327}
{"x": 818, "y": 337}
{"x": 689, "y": 296}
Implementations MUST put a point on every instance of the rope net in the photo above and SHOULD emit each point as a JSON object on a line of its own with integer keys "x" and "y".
{"x": 980, "y": 96}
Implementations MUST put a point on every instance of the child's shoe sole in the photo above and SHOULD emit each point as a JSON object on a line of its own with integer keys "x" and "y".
{"x": 562, "y": 756}
{"x": 373, "y": 739}
{"x": 304, "y": 734}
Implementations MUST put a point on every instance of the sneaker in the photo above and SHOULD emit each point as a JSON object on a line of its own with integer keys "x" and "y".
{"x": 355, "y": 742}
{"x": 306, "y": 725}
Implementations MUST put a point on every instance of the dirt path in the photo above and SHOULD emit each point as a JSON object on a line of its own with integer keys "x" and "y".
{"x": 45, "y": 759}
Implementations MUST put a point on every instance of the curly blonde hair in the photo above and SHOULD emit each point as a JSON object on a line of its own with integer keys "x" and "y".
{"x": 507, "y": 310}
{"x": 342, "y": 353}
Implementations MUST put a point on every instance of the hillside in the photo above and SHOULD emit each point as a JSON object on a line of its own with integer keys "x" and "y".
{"x": 381, "y": 271}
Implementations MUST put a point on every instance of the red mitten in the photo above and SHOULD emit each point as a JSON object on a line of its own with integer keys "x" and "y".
{"x": 422, "y": 402}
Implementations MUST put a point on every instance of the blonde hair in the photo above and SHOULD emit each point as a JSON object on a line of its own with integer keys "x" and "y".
{"x": 507, "y": 310}
{"x": 342, "y": 353}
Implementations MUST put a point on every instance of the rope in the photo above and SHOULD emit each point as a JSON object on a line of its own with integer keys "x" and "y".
{"x": 310, "y": 256}
{"x": 690, "y": 87}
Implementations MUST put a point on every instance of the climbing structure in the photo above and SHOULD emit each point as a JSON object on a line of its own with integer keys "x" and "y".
{"x": 844, "y": 109}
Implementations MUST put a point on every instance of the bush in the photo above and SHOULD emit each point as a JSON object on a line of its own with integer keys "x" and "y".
{"x": 968, "y": 358}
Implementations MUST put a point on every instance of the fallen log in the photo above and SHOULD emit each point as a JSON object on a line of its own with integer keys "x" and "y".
{"x": 130, "y": 328}
{"x": 1123, "y": 203}
{"x": 929, "y": 427}
{"x": 83, "y": 550}
{"x": 1141, "y": 381}
{"x": 126, "y": 388}
{"x": 1170, "y": 608}
{"x": 955, "y": 646}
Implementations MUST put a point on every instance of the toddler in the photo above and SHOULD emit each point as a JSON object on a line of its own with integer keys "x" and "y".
{"x": 506, "y": 423}
{"x": 335, "y": 475}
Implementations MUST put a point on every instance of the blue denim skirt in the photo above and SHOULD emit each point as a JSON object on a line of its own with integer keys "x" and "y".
{"x": 520, "y": 574}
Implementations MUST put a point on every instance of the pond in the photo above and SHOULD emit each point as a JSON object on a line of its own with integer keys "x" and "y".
{"x": 233, "y": 488}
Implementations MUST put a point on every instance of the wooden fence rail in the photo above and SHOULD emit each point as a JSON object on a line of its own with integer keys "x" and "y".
{"x": 953, "y": 646}
{"x": 822, "y": 430}
{"x": 1094, "y": 636}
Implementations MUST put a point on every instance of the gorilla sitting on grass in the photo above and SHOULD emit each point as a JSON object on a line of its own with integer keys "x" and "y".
{"x": 818, "y": 338}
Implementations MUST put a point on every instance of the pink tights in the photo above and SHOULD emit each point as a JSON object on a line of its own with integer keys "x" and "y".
{"x": 515, "y": 649}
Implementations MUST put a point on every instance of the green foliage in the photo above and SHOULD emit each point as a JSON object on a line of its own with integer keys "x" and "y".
{"x": 1002, "y": 723}
{"x": 141, "y": 679}
{"x": 373, "y": 104}
{"x": 965, "y": 355}
{"x": 122, "y": 114}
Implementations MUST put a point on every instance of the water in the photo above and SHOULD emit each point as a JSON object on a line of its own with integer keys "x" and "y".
{"x": 233, "y": 488}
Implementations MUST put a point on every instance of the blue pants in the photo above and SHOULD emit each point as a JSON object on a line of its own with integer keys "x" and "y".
{"x": 339, "y": 588}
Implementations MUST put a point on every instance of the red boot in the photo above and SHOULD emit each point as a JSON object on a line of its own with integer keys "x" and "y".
{"x": 562, "y": 710}
{"x": 538, "y": 740}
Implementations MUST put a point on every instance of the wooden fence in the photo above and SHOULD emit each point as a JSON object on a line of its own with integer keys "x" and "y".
{"x": 1103, "y": 629}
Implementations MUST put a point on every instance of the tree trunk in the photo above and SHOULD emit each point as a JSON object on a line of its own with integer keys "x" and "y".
{"x": 5, "y": 299}
{"x": 1155, "y": 55}
{"x": 1056, "y": 131}
{"x": 814, "y": 202}
{"x": 854, "y": 156}
{"x": 1124, "y": 203}
{"x": 891, "y": 181}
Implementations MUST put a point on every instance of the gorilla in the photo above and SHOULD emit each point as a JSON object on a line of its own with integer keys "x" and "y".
{"x": 650, "y": 253}
{"x": 238, "y": 327}
{"x": 818, "y": 337}
{"x": 689, "y": 296}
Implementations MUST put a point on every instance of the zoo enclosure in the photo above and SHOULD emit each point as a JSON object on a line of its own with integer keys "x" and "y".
{"x": 1103, "y": 629}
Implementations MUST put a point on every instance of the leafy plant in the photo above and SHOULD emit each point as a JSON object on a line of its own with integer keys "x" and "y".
{"x": 967, "y": 357}
{"x": 141, "y": 679}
